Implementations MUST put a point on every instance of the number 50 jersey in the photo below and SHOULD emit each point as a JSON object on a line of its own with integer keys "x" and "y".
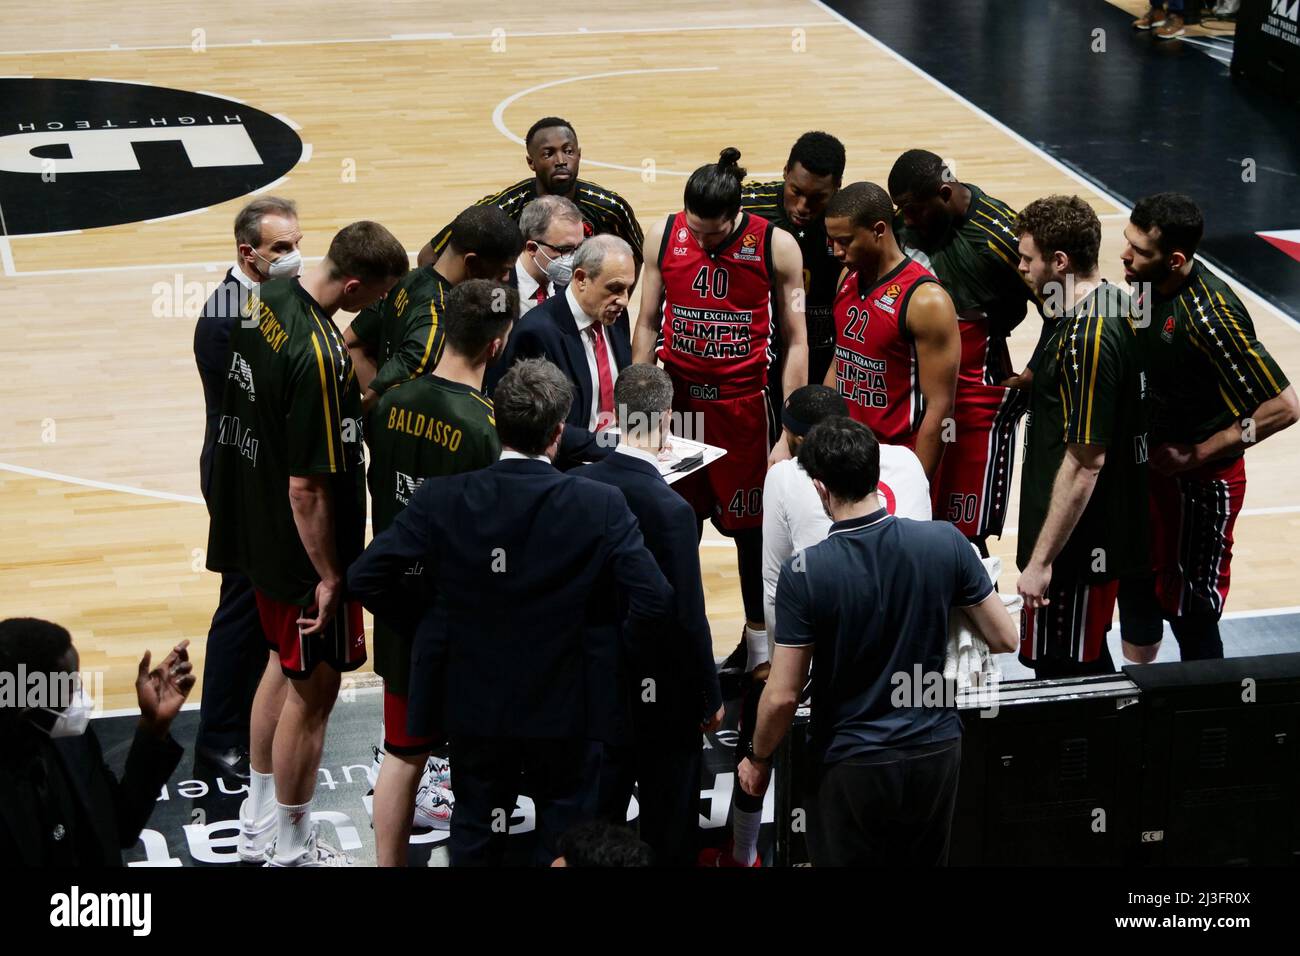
{"x": 717, "y": 320}
{"x": 875, "y": 357}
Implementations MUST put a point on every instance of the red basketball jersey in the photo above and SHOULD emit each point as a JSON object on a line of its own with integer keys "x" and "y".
{"x": 717, "y": 318}
{"x": 875, "y": 357}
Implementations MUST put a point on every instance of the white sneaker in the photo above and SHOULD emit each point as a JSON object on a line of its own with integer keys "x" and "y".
{"x": 316, "y": 853}
{"x": 433, "y": 807}
{"x": 255, "y": 836}
{"x": 437, "y": 771}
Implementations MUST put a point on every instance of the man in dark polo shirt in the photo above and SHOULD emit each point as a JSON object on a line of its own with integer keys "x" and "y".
{"x": 266, "y": 247}
{"x": 871, "y": 603}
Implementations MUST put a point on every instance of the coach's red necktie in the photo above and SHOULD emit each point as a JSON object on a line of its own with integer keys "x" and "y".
{"x": 541, "y": 294}
{"x": 605, "y": 404}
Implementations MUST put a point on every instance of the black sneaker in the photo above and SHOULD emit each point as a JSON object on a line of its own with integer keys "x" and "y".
{"x": 737, "y": 659}
{"x": 231, "y": 764}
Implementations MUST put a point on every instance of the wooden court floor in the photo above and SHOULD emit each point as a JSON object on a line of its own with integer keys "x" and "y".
{"x": 102, "y": 410}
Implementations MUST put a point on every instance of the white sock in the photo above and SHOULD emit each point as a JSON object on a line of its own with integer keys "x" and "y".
{"x": 261, "y": 795}
{"x": 744, "y": 835}
{"x": 293, "y": 830}
{"x": 755, "y": 647}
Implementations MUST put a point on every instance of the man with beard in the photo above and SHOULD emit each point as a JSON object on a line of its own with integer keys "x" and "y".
{"x": 966, "y": 238}
{"x": 553, "y": 154}
{"x": 1216, "y": 392}
{"x": 401, "y": 337}
{"x": 797, "y": 204}
{"x": 1083, "y": 485}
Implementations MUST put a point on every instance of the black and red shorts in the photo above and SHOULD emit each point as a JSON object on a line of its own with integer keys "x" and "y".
{"x": 396, "y": 738}
{"x": 1192, "y": 520}
{"x": 341, "y": 645}
{"x": 1073, "y": 624}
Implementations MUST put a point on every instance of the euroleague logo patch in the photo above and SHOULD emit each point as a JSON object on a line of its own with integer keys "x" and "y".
{"x": 748, "y": 250}
{"x": 81, "y": 154}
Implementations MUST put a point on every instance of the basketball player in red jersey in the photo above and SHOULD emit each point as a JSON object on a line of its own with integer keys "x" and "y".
{"x": 897, "y": 346}
{"x": 716, "y": 281}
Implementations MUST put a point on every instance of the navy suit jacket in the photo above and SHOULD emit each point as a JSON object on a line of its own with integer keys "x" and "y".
{"x": 680, "y": 658}
{"x": 550, "y": 331}
{"x": 515, "y": 553}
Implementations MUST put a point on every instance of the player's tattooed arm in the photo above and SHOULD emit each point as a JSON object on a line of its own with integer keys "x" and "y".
{"x": 932, "y": 322}
{"x": 649, "y": 314}
{"x": 787, "y": 258}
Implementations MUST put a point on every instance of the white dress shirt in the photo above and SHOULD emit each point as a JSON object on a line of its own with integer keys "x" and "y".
{"x": 794, "y": 519}
{"x": 249, "y": 284}
{"x": 509, "y": 454}
{"x": 622, "y": 449}
{"x": 528, "y": 286}
{"x": 585, "y": 322}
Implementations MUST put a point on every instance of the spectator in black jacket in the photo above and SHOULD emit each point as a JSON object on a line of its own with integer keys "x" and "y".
{"x": 59, "y": 804}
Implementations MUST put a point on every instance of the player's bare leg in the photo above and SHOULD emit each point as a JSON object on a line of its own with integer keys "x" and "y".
{"x": 296, "y": 752}
{"x": 394, "y": 806}
{"x": 257, "y": 813}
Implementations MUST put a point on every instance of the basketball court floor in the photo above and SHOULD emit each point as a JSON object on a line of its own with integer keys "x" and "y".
{"x": 406, "y": 112}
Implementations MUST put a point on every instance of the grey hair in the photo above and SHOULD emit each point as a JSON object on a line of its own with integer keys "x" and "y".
{"x": 542, "y": 211}
{"x": 530, "y": 401}
{"x": 641, "y": 394}
{"x": 590, "y": 257}
{"x": 248, "y": 223}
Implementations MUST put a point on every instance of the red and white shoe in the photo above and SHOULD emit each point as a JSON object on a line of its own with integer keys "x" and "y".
{"x": 721, "y": 856}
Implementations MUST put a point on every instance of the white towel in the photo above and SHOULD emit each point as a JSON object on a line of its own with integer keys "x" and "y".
{"x": 968, "y": 661}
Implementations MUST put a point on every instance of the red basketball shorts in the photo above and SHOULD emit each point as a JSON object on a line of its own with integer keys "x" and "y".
{"x": 973, "y": 483}
{"x": 729, "y": 490}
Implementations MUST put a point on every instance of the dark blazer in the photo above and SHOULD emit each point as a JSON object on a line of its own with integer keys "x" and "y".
{"x": 514, "y": 552}
{"x": 680, "y": 658}
{"x": 549, "y": 331}
{"x": 212, "y": 356}
{"x": 106, "y": 814}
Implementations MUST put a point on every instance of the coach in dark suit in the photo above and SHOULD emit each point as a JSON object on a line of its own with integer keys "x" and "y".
{"x": 579, "y": 332}
{"x": 266, "y": 238}
{"x": 59, "y": 804}
{"x": 670, "y": 684}
{"x": 504, "y": 658}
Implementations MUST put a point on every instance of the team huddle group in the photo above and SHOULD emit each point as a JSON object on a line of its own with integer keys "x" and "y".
{"x": 539, "y": 610}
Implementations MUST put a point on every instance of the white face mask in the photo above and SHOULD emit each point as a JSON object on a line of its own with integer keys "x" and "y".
{"x": 289, "y": 264}
{"x": 559, "y": 270}
{"x": 73, "y": 720}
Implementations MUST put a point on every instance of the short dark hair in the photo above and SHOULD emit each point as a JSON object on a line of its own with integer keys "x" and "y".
{"x": 1063, "y": 224}
{"x": 844, "y": 456}
{"x": 918, "y": 174}
{"x": 601, "y": 843}
{"x": 530, "y": 400}
{"x": 863, "y": 204}
{"x": 478, "y": 311}
{"x": 547, "y": 122}
{"x": 40, "y": 646}
{"x": 1177, "y": 217}
{"x": 487, "y": 232}
{"x": 248, "y": 221}
{"x": 810, "y": 404}
{"x": 713, "y": 191}
{"x": 367, "y": 251}
{"x": 641, "y": 393}
{"x": 819, "y": 153}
